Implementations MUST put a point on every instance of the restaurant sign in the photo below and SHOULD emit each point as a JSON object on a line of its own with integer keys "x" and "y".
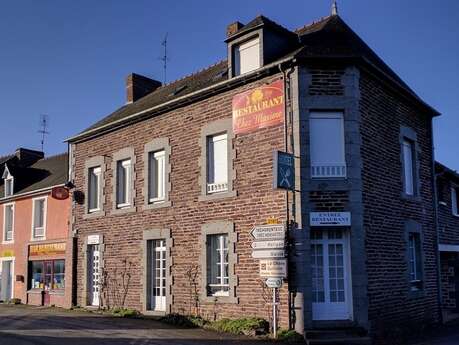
{"x": 259, "y": 108}
{"x": 330, "y": 219}
{"x": 47, "y": 249}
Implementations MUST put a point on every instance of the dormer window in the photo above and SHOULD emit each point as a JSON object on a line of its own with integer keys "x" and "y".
{"x": 247, "y": 56}
{"x": 9, "y": 183}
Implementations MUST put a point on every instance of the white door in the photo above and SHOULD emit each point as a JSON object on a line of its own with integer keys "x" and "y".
{"x": 158, "y": 275}
{"x": 94, "y": 274}
{"x": 6, "y": 280}
{"x": 331, "y": 277}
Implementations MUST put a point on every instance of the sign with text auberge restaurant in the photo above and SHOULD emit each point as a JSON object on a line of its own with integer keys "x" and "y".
{"x": 259, "y": 108}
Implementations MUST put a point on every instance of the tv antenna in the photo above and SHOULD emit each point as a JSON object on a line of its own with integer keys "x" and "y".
{"x": 165, "y": 58}
{"x": 44, "y": 123}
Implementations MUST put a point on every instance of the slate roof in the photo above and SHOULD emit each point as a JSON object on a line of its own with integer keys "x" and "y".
{"x": 46, "y": 172}
{"x": 443, "y": 169}
{"x": 330, "y": 37}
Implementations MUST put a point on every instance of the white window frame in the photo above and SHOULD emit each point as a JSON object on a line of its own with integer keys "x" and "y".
{"x": 4, "y": 240}
{"x": 127, "y": 165}
{"x": 161, "y": 153}
{"x": 328, "y": 169}
{"x": 454, "y": 204}
{"x": 221, "y": 278}
{"x": 45, "y": 213}
{"x": 416, "y": 261}
{"x": 8, "y": 178}
{"x": 97, "y": 171}
{"x": 216, "y": 186}
{"x": 238, "y": 64}
{"x": 409, "y": 184}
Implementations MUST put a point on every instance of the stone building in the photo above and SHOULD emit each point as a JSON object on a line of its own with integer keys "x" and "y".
{"x": 448, "y": 233}
{"x": 169, "y": 186}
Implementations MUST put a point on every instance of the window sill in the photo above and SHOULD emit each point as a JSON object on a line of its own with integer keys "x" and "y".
{"x": 156, "y": 205}
{"x": 216, "y": 196}
{"x": 411, "y": 198}
{"x": 94, "y": 214}
{"x": 8, "y": 242}
{"x": 220, "y": 299}
{"x": 37, "y": 239}
{"x": 124, "y": 210}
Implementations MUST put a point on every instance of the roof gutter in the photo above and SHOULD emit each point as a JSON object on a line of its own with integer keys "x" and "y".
{"x": 31, "y": 193}
{"x": 180, "y": 101}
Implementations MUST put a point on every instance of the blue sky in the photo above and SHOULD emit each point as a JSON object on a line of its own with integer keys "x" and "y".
{"x": 68, "y": 59}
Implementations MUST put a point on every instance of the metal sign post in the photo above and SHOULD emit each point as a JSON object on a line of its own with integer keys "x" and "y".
{"x": 275, "y": 313}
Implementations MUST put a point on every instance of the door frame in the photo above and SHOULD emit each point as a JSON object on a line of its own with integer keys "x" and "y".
{"x": 12, "y": 259}
{"x": 152, "y": 248}
{"x": 347, "y": 260}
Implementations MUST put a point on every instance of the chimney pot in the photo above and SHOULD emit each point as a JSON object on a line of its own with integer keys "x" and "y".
{"x": 233, "y": 28}
{"x": 138, "y": 86}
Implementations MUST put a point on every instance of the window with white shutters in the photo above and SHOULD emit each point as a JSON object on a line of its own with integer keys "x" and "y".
{"x": 455, "y": 201}
{"x": 157, "y": 176}
{"x": 94, "y": 189}
{"x": 408, "y": 167}
{"x": 247, "y": 56}
{"x": 123, "y": 183}
{"x": 327, "y": 145}
{"x": 39, "y": 218}
{"x": 8, "y": 223}
{"x": 217, "y": 163}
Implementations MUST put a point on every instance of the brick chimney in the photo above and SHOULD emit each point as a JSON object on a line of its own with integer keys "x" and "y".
{"x": 138, "y": 86}
{"x": 28, "y": 157}
{"x": 233, "y": 28}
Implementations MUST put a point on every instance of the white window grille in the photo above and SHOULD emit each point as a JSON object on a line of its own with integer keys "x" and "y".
{"x": 123, "y": 183}
{"x": 39, "y": 217}
{"x": 217, "y": 265}
{"x": 94, "y": 189}
{"x": 157, "y": 176}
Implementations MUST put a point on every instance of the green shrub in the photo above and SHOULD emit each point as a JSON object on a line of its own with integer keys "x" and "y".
{"x": 247, "y": 326}
{"x": 124, "y": 312}
{"x": 290, "y": 336}
{"x": 184, "y": 321}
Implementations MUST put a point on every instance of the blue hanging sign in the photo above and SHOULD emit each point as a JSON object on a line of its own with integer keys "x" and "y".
{"x": 284, "y": 170}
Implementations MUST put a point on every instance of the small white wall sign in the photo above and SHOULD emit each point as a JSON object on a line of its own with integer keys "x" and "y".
{"x": 93, "y": 239}
{"x": 330, "y": 219}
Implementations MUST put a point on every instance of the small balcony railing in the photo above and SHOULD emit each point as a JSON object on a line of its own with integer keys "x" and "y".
{"x": 328, "y": 171}
{"x": 217, "y": 187}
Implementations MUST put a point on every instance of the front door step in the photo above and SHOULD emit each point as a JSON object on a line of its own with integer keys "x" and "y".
{"x": 344, "y": 336}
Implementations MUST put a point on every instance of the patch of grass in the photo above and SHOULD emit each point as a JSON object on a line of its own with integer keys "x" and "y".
{"x": 124, "y": 312}
{"x": 290, "y": 336}
{"x": 247, "y": 326}
{"x": 183, "y": 321}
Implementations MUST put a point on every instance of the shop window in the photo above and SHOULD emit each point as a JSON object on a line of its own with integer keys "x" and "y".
{"x": 47, "y": 275}
{"x": 217, "y": 265}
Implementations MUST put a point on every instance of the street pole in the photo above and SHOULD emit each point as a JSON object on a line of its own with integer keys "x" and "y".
{"x": 274, "y": 314}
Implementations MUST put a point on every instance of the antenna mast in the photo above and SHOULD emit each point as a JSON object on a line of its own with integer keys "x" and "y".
{"x": 44, "y": 122}
{"x": 165, "y": 58}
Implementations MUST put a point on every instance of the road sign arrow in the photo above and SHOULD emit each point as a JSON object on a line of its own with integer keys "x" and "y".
{"x": 275, "y": 244}
{"x": 268, "y": 232}
{"x": 266, "y": 254}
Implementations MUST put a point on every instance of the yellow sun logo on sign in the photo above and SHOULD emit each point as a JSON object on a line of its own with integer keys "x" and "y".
{"x": 257, "y": 96}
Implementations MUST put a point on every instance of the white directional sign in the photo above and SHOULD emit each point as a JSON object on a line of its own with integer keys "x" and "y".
{"x": 274, "y": 282}
{"x": 273, "y": 268}
{"x": 276, "y": 244}
{"x": 268, "y": 254}
{"x": 269, "y": 232}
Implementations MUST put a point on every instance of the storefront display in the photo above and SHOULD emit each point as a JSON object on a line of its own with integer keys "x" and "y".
{"x": 47, "y": 275}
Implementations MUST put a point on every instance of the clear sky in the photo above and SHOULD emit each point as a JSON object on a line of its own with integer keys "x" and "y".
{"x": 68, "y": 59}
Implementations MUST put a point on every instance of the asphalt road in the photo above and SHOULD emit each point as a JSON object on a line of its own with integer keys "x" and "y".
{"x": 25, "y": 325}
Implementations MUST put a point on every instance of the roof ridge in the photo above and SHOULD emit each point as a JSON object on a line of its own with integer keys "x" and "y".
{"x": 53, "y": 156}
{"x": 193, "y": 73}
{"x": 314, "y": 22}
